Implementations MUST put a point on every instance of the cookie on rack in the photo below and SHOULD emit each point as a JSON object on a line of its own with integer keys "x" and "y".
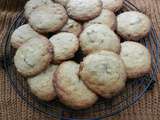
{"x": 42, "y": 85}
{"x": 99, "y": 37}
{"x": 22, "y": 34}
{"x": 65, "y": 46}
{"x": 31, "y": 5}
{"x": 70, "y": 89}
{"x": 106, "y": 17}
{"x": 113, "y": 5}
{"x": 137, "y": 59}
{"x": 84, "y": 10}
{"x": 34, "y": 56}
{"x": 72, "y": 26}
{"x": 133, "y": 25}
{"x": 104, "y": 73}
{"x": 48, "y": 18}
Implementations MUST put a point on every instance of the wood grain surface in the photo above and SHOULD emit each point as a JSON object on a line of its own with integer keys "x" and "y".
{"x": 12, "y": 107}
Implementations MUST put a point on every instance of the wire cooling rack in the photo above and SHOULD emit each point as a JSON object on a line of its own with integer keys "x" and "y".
{"x": 134, "y": 90}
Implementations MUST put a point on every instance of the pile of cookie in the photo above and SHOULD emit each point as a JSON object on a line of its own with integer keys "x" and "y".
{"x": 87, "y": 25}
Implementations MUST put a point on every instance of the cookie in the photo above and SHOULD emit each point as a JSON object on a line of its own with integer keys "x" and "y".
{"x": 62, "y": 2}
{"x": 72, "y": 26}
{"x": 99, "y": 37}
{"x": 70, "y": 89}
{"x": 34, "y": 56}
{"x": 65, "y": 46}
{"x": 84, "y": 9}
{"x": 137, "y": 59}
{"x": 106, "y": 17}
{"x": 22, "y": 34}
{"x": 133, "y": 25}
{"x": 42, "y": 86}
{"x": 104, "y": 73}
{"x": 49, "y": 18}
{"x": 31, "y": 5}
{"x": 113, "y": 5}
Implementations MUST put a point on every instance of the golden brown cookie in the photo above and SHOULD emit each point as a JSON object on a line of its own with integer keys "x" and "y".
{"x": 99, "y": 37}
{"x": 42, "y": 85}
{"x": 137, "y": 59}
{"x": 22, "y": 34}
{"x": 70, "y": 89}
{"x": 65, "y": 46}
{"x": 104, "y": 73}
{"x": 84, "y": 9}
{"x": 34, "y": 56}
{"x": 133, "y": 25}
{"x": 106, "y": 17}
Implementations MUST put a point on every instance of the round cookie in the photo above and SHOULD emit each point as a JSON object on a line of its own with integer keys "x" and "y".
{"x": 72, "y": 26}
{"x": 99, "y": 37}
{"x": 49, "y": 18}
{"x": 62, "y": 2}
{"x": 70, "y": 89}
{"x": 34, "y": 56}
{"x": 133, "y": 25}
{"x": 106, "y": 17}
{"x": 31, "y": 5}
{"x": 65, "y": 46}
{"x": 113, "y": 5}
{"x": 104, "y": 73}
{"x": 84, "y": 9}
{"x": 42, "y": 86}
{"x": 137, "y": 59}
{"x": 22, "y": 34}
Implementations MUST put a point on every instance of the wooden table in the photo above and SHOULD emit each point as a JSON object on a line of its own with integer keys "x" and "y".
{"x": 12, "y": 107}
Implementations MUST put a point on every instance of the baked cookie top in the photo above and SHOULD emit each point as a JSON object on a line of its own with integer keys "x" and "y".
{"x": 104, "y": 73}
{"x": 49, "y": 18}
{"x": 137, "y": 59}
{"x": 34, "y": 56}
{"x": 113, "y": 5}
{"x": 99, "y": 37}
{"x": 133, "y": 25}
{"x": 72, "y": 26}
{"x": 22, "y": 34}
{"x": 65, "y": 46}
{"x": 70, "y": 89}
{"x": 84, "y": 9}
{"x": 31, "y": 5}
{"x": 42, "y": 85}
{"x": 106, "y": 17}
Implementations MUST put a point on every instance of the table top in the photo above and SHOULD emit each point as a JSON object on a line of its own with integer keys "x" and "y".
{"x": 12, "y": 107}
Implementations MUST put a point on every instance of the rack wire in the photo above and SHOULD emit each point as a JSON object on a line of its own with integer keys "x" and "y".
{"x": 134, "y": 90}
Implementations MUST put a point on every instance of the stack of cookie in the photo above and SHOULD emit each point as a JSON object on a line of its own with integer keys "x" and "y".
{"x": 88, "y": 26}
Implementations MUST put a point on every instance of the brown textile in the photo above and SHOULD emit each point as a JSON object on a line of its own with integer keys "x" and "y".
{"x": 12, "y": 107}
